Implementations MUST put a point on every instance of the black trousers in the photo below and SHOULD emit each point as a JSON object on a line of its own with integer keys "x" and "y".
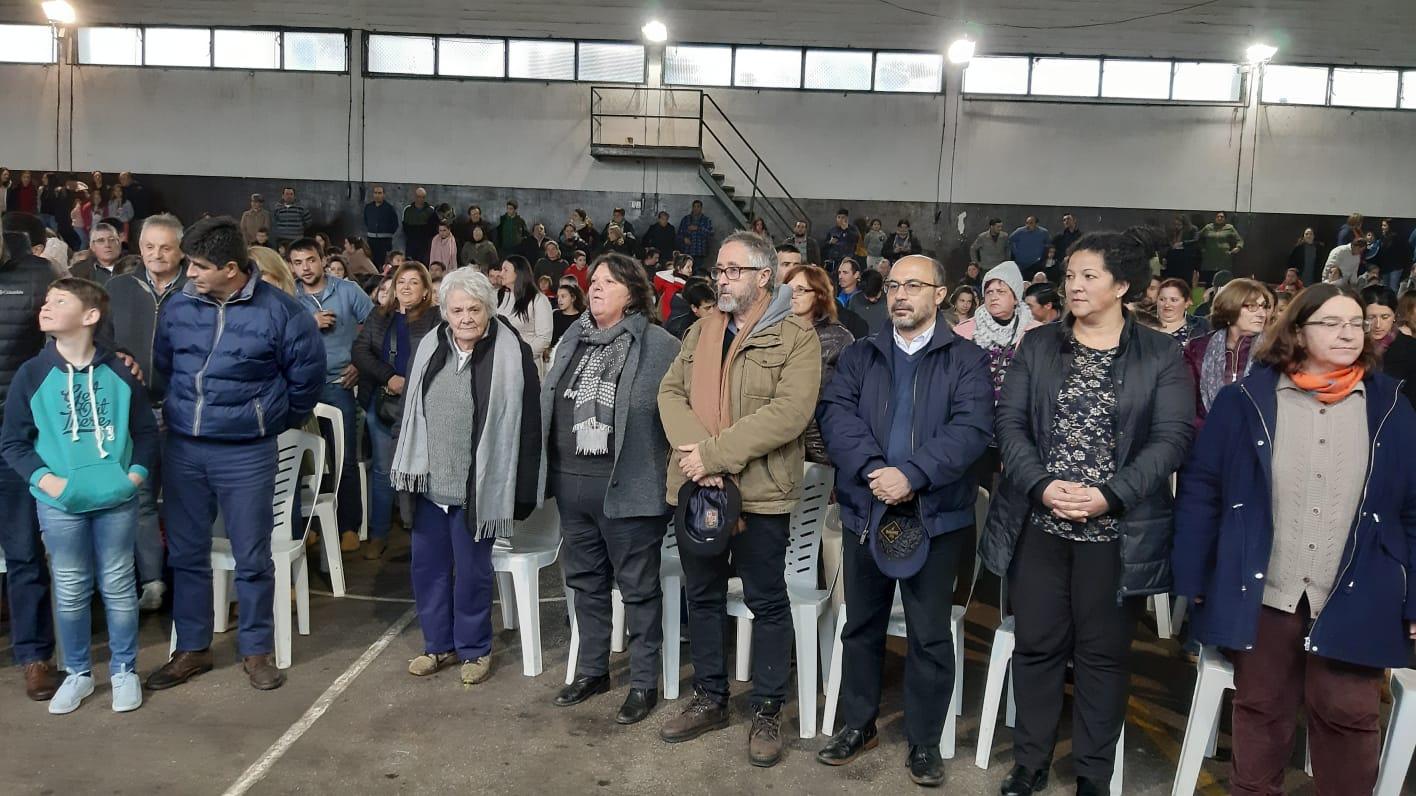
{"x": 1063, "y": 595}
{"x": 600, "y": 553}
{"x": 929, "y": 660}
{"x": 758, "y": 555}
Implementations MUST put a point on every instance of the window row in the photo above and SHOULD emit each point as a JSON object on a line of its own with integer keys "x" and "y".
{"x": 1106, "y": 78}
{"x": 527, "y": 59}
{"x": 783, "y": 67}
{"x": 221, "y": 48}
{"x": 1341, "y": 86}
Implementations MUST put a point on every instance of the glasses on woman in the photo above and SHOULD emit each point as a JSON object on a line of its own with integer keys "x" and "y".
{"x": 1257, "y": 306}
{"x": 912, "y": 288}
{"x": 798, "y": 290}
{"x": 1337, "y": 324}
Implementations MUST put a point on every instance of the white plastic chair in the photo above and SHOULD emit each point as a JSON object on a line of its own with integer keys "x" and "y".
{"x": 811, "y": 618}
{"x": 671, "y": 584}
{"x": 898, "y": 628}
{"x": 323, "y": 505}
{"x": 1400, "y": 734}
{"x": 518, "y": 562}
{"x": 288, "y": 554}
{"x": 1216, "y": 675}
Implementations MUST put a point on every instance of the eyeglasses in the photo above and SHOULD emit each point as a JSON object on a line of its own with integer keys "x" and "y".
{"x": 912, "y": 288}
{"x": 1337, "y": 324}
{"x": 734, "y": 272}
{"x": 1257, "y": 306}
{"x": 802, "y": 291}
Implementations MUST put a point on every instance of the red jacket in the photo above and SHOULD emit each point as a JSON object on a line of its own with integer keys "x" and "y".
{"x": 667, "y": 286}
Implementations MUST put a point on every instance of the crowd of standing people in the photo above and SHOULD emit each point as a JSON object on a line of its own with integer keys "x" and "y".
{"x": 1240, "y": 455}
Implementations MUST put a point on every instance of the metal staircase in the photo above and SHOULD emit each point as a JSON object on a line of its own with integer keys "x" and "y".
{"x": 688, "y": 125}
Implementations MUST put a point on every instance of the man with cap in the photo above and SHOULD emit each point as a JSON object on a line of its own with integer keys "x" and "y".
{"x": 735, "y": 405}
{"x": 255, "y": 219}
{"x": 908, "y": 412}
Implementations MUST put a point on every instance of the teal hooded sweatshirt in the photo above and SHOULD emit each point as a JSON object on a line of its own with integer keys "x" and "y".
{"x": 92, "y": 425}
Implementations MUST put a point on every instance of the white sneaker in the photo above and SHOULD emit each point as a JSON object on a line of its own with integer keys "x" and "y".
{"x": 151, "y": 600}
{"x": 127, "y": 692}
{"x": 74, "y": 689}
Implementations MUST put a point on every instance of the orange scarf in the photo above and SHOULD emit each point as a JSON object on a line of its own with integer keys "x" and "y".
{"x": 1330, "y": 387}
{"x": 708, "y": 395}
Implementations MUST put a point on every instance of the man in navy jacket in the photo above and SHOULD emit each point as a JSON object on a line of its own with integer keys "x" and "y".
{"x": 908, "y": 412}
{"x": 242, "y": 362}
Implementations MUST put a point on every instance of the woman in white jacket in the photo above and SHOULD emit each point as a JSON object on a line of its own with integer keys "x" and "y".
{"x": 524, "y": 307}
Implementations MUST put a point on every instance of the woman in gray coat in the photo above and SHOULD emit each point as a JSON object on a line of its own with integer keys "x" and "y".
{"x": 607, "y": 463}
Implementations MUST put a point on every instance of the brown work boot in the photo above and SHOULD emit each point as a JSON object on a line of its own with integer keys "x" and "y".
{"x": 764, "y": 740}
{"x": 41, "y": 681}
{"x": 263, "y": 673}
{"x": 703, "y": 714}
{"x": 183, "y": 667}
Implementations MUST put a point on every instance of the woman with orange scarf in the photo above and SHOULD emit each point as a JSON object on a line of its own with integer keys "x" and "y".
{"x": 1295, "y": 528}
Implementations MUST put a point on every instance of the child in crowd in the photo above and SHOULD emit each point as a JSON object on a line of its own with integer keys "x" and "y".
{"x": 79, "y": 428}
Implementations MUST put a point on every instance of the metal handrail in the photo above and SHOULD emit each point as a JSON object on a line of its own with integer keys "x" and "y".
{"x": 784, "y": 208}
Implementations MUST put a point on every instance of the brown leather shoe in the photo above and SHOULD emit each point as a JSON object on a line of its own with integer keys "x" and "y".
{"x": 702, "y": 715}
{"x": 41, "y": 681}
{"x": 184, "y": 666}
{"x": 764, "y": 740}
{"x": 263, "y": 673}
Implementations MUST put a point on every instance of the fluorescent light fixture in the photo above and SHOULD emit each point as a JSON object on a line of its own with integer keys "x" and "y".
{"x": 655, "y": 32}
{"x": 961, "y": 51}
{"x": 59, "y": 12}
{"x": 1260, "y": 53}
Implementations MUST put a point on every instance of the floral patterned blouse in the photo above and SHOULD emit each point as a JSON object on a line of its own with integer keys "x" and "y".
{"x": 1084, "y": 440}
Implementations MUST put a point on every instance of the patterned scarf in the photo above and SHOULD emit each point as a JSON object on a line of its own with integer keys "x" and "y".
{"x": 1000, "y": 341}
{"x": 1214, "y": 368}
{"x": 593, "y": 384}
{"x": 1330, "y": 387}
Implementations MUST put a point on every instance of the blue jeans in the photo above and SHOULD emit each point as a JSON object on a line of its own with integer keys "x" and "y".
{"x": 381, "y": 487}
{"x": 348, "y": 505}
{"x": 31, "y": 623}
{"x": 1393, "y": 280}
{"x": 84, "y": 548}
{"x": 452, "y": 583}
{"x": 197, "y": 476}
{"x": 149, "y": 543}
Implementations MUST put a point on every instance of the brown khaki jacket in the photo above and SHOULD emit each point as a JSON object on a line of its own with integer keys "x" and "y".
{"x": 775, "y": 380}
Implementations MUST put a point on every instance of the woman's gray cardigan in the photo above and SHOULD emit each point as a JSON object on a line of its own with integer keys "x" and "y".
{"x": 641, "y": 449}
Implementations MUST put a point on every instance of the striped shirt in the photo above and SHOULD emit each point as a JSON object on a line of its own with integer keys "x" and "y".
{"x": 291, "y": 221}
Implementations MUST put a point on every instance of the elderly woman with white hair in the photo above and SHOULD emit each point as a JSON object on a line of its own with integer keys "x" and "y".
{"x": 469, "y": 457}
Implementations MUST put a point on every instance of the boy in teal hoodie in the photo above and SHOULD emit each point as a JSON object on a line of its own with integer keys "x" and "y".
{"x": 79, "y": 428}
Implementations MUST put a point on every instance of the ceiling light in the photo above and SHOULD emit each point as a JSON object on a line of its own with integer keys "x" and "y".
{"x": 655, "y": 32}
{"x": 59, "y": 12}
{"x": 1260, "y": 53}
{"x": 961, "y": 51}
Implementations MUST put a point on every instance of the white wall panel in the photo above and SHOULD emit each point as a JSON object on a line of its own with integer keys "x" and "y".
{"x": 28, "y": 120}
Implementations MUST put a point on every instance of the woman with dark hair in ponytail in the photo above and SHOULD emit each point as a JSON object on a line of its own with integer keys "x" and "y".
{"x": 1094, "y": 418}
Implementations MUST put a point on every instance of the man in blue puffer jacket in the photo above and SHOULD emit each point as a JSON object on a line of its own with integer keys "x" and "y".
{"x": 242, "y": 362}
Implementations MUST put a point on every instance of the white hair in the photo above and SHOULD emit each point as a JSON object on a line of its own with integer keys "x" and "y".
{"x": 167, "y": 220}
{"x": 761, "y": 255}
{"x": 470, "y": 281}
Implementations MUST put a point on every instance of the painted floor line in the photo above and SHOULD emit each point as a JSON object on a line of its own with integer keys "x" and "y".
{"x": 277, "y": 750}
{"x": 406, "y": 600}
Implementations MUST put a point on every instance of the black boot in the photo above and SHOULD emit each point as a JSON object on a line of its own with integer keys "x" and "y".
{"x": 1023, "y": 781}
{"x": 582, "y": 689}
{"x": 638, "y": 703}
{"x": 1090, "y": 787}
{"x": 926, "y": 766}
{"x": 846, "y": 745}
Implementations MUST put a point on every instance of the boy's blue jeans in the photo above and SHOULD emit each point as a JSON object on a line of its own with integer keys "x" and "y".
{"x": 84, "y": 548}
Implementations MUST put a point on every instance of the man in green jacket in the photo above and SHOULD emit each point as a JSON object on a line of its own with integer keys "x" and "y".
{"x": 735, "y": 405}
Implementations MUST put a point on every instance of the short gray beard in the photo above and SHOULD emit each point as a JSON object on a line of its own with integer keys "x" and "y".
{"x": 728, "y": 303}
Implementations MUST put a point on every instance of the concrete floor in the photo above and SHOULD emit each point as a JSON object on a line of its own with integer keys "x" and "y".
{"x": 387, "y": 732}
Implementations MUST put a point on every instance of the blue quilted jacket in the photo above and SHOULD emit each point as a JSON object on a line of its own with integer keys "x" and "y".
{"x": 245, "y": 369}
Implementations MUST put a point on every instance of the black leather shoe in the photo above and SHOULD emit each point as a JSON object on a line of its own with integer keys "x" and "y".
{"x": 1023, "y": 781}
{"x": 1090, "y": 787}
{"x": 638, "y": 704}
{"x": 582, "y": 689}
{"x": 926, "y": 766}
{"x": 846, "y": 745}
